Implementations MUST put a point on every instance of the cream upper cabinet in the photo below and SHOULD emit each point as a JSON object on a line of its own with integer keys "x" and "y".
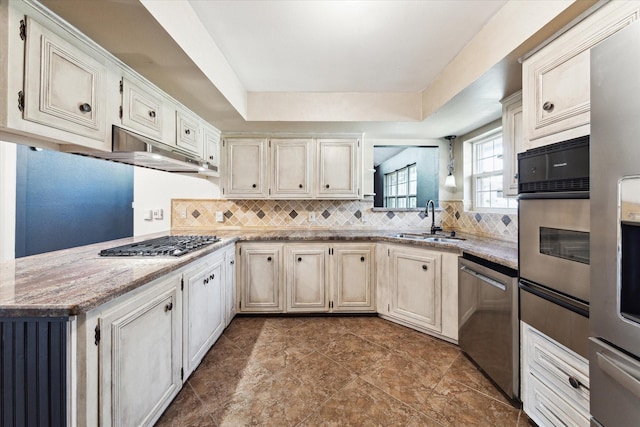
{"x": 188, "y": 132}
{"x": 512, "y": 140}
{"x": 261, "y": 287}
{"x": 142, "y": 109}
{"x": 556, "y": 86}
{"x": 64, "y": 87}
{"x": 204, "y": 309}
{"x": 353, "y": 277}
{"x": 338, "y": 172}
{"x": 292, "y": 168}
{"x": 140, "y": 355}
{"x": 246, "y": 168}
{"x": 211, "y": 141}
{"x": 306, "y": 272}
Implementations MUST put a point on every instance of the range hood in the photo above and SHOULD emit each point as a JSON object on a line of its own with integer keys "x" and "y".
{"x": 138, "y": 150}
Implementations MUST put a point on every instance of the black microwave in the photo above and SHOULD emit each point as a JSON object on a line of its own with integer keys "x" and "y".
{"x": 560, "y": 167}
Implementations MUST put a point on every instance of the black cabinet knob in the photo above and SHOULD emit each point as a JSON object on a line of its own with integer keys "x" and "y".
{"x": 213, "y": 276}
{"x": 232, "y": 262}
{"x": 548, "y": 106}
{"x": 361, "y": 259}
{"x": 85, "y": 108}
{"x": 424, "y": 267}
{"x": 152, "y": 114}
{"x": 187, "y": 131}
{"x": 300, "y": 186}
{"x": 326, "y": 186}
{"x": 299, "y": 259}
{"x": 253, "y": 186}
{"x": 168, "y": 307}
{"x": 269, "y": 259}
{"x": 574, "y": 382}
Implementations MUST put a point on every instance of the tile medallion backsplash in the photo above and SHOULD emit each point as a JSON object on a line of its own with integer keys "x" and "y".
{"x": 195, "y": 214}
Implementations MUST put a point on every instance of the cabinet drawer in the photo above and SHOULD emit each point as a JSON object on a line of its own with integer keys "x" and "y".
{"x": 141, "y": 110}
{"x": 550, "y": 409}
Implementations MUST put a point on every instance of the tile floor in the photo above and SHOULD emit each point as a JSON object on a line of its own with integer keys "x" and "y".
{"x": 336, "y": 371}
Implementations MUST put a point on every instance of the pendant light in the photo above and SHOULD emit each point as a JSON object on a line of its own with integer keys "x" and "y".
{"x": 450, "y": 181}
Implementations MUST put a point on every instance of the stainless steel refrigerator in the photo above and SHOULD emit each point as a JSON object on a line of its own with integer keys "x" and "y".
{"x": 614, "y": 347}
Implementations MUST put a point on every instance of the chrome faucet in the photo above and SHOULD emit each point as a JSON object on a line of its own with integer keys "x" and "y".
{"x": 433, "y": 216}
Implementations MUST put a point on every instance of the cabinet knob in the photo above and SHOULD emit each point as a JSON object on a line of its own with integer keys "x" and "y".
{"x": 515, "y": 176}
{"x": 85, "y": 108}
{"x": 574, "y": 382}
{"x": 269, "y": 259}
{"x": 548, "y": 106}
{"x": 210, "y": 157}
{"x": 326, "y": 186}
{"x": 187, "y": 131}
{"x": 361, "y": 259}
{"x": 424, "y": 267}
{"x": 253, "y": 186}
{"x": 232, "y": 262}
{"x": 300, "y": 186}
{"x": 152, "y": 113}
{"x": 213, "y": 276}
{"x": 168, "y": 307}
{"x": 205, "y": 281}
{"x": 299, "y": 259}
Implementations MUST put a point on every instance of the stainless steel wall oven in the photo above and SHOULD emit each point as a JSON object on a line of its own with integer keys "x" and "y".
{"x": 554, "y": 244}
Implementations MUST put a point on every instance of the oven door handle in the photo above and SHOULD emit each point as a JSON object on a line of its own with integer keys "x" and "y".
{"x": 561, "y": 300}
{"x": 484, "y": 278}
{"x": 620, "y": 373}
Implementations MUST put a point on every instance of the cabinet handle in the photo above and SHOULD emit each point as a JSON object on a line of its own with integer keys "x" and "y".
{"x": 168, "y": 307}
{"x": 424, "y": 267}
{"x": 205, "y": 281}
{"x": 326, "y": 186}
{"x": 210, "y": 157}
{"x": 515, "y": 176}
{"x": 361, "y": 259}
{"x": 574, "y": 382}
{"x": 253, "y": 186}
{"x": 548, "y": 106}
{"x": 300, "y": 186}
{"x": 187, "y": 131}
{"x": 85, "y": 108}
{"x": 299, "y": 259}
{"x": 213, "y": 276}
{"x": 232, "y": 262}
{"x": 269, "y": 259}
{"x": 152, "y": 114}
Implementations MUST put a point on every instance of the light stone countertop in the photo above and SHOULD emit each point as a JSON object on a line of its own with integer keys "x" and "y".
{"x": 73, "y": 281}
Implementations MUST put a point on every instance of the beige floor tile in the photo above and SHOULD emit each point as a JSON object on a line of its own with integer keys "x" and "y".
{"x": 321, "y": 372}
{"x": 186, "y": 410}
{"x": 421, "y": 420}
{"x": 464, "y": 371}
{"x": 355, "y": 353}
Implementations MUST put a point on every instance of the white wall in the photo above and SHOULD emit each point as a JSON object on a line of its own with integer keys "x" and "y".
{"x": 154, "y": 190}
{"x": 7, "y": 200}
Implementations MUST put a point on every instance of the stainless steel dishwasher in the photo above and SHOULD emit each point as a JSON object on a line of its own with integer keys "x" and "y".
{"x": 488, "y": 320}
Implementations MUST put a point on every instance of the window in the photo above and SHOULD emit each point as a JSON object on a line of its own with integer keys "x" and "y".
{"x": 401, "y": 187}
{"x": 487, "y": 174}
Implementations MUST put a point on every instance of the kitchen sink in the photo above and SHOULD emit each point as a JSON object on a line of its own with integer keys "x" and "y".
{"x": 427, "y": 237}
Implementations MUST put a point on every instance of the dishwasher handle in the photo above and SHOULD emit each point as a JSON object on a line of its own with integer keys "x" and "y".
{"x": 484, "y": 278}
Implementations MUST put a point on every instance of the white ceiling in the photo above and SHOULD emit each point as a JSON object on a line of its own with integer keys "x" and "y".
{"x": 341, "y": 46}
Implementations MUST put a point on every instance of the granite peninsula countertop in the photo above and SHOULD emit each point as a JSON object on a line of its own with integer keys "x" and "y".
{"x": 74, "y": 281}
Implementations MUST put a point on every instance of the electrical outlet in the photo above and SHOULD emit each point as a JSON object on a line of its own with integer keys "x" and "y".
{"x": 219, "y": 216}
{"x": 158, "y": 214}
{"x": 312, "y": 217}
{"x": 183, "y": 214}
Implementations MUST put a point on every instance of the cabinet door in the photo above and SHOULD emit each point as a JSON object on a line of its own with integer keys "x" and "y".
{"x": 64, "y": 87}
{"x": 352, "y": 278}
{"x": 306, "y": 278}
{"x": 416, "y": 287}
{"x": 205, "y": 313}
{"x": 141, "y": 109}
{"x": 512, "y": 140}
{"x": 140, "y": 356}
{"x": 556, "y": 87}
{"x": 211, "y": 140}
{"x": 291, "y": 167}
{"x": 246, "y": 168}
{"x": 338, "y": 169}
{"x": 230, "y": 285}
{"x": 188, "y": 133}
{"x": 261, "y": 284}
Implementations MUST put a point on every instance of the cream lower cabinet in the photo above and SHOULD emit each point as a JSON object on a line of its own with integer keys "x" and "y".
{"x": 139, "y": 356}
{"x": 204, "y": 309}
{"x": 260, "y": 281}
{"x": 353, "y": 277}
{"x": 230, "y": 284}
{"x": 555, "y": 381}
{"x": 419, "y": 289}
{"x": 307, "y": 278}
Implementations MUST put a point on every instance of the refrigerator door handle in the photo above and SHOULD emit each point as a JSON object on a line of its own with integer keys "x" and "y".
{"x": 484, "y": 278}
{"x": 625, "y": 375}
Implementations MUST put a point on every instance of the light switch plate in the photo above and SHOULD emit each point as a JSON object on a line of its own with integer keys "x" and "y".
{"x": 219, "y": 216}
{"x": 158, "y": 214}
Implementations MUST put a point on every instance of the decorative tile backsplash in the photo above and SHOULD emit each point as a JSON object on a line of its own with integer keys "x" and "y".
{"x": 194, "y": 214}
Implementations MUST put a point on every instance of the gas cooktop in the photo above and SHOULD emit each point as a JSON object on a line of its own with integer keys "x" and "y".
{"x": 174, "y": 246}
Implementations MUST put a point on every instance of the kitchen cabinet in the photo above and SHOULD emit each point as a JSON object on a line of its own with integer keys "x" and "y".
{"x": 556, "y": 86}
{"x": 512, "y": 141}
{"x": 64, "y": 87}
{"x": 338, "y": 171}
{"x": 142, "y": 109}
{"x": 246, "y": 168}
{"x": 261, "y": 284}
{"x": 211, "y": 141}
{"x": 188, "y": 132}
{"x": 140, "y": 354}
{"x": 230, "y": 284}
{"x": 353, "y": 277}
{"x": 292, "y": 168}
{"x": 555, "y": 381}
{"x": 307, "y": 278}
{"x": 418, "y": 288}
{"x": 204, "y": 308}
